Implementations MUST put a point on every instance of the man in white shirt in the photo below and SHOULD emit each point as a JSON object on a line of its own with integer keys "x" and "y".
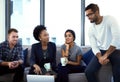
{"x": 104, "y": 36}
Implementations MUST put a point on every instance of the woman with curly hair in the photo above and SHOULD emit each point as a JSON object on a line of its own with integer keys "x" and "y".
{"x": 42, "y": 53}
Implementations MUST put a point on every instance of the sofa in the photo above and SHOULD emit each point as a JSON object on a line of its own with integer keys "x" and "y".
{"x": 103, "y": 75}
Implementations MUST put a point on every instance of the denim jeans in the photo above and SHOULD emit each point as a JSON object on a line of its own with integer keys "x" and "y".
{"x": 94, "y": 66}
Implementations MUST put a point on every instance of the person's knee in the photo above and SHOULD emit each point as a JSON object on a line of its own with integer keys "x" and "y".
{"x": 62, "y": 70}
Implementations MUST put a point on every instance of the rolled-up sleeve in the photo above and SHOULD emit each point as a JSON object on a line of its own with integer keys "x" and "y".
{"x": 115, "y": 29}
{"x": 93, "y": 42}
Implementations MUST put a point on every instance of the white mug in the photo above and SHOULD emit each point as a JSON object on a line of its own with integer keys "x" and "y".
{"x": 64, "y": 61}
{"x": 47, "y": 66}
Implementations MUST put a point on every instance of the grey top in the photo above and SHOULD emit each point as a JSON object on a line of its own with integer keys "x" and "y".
{"x": 73, "y": 52}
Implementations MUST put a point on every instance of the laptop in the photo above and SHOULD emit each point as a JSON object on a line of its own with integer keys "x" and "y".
{"x": 40, "y": 78}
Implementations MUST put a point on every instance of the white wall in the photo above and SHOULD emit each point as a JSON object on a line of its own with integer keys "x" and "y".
{"x": 2, "y": 20}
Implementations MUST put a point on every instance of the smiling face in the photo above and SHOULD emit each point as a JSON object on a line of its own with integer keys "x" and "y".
{"x": 69, "y": 37}
{"x": 13, "y": 38}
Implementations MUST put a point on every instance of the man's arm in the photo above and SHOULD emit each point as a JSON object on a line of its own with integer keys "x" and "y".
{"x": 104, "y": 59}
{"x": 115, "y": 33}
{"x": 93, "y": 42}
{"x": 3, "y": 63}
{"x": 109, "y": 51}
{"x": 20, "y": 56}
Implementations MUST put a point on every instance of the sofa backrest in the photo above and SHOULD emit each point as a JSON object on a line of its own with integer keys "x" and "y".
{"x": 58, "y": 53}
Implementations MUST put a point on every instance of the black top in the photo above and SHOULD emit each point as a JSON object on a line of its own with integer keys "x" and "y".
{"x": 40, "y": 56}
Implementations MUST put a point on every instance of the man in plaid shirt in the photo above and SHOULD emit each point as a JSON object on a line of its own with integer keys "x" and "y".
{"x": 11, "y": 56}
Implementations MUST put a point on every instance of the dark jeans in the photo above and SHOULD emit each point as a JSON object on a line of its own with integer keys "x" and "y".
{"x": 19, "y": 71}
{"x": 63, "y": 72}
{"x": 94, "y": 66}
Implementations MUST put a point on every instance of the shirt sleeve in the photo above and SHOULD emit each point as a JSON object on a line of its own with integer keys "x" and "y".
{"x": 32, "y": 57}
{"x": 79, "y": 51}
{"x": 93, "y": 41}
{"x": 54, "y": 57}
{"x": 115, "y": 29}
{"x": 63, "y": 47}
{"x": 20, "y": 53}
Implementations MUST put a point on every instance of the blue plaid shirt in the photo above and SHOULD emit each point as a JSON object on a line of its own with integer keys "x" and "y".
{"x": 7, "y": 54}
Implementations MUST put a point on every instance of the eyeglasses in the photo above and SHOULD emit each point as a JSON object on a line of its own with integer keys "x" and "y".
{"x": 90, "y": 14}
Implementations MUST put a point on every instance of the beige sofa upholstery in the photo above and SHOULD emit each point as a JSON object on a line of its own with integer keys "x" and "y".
{"x": 104, "y": 75}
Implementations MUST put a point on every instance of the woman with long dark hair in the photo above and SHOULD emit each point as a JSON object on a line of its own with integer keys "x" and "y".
{"x": 73, "y": 54}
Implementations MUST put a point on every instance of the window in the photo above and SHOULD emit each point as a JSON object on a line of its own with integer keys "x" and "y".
{"x": 2, "y": 20}
{"x": 105, "y": 9}
{"x": 25, "y": 16}
{"x": 61, "y": 15}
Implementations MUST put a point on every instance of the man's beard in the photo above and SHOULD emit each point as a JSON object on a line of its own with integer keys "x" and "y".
{"x": 94, "y": 20}
{"x": 14, "y": 43}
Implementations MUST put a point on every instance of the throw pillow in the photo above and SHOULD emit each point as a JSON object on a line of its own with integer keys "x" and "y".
{"x": 25, "y": 53}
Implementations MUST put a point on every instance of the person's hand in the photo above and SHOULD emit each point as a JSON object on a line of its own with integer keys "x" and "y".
{"x": 67, "y": 46}
{"x": 13, "y": 64}
{"x": 103, "y": 60}
{"x": 66, "y": 61}
{"x": 10, "y": 65}
{"x": 37, "y": 69}
{"x": 16, "y": 64}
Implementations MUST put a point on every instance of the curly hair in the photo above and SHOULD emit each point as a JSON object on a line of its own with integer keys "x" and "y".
{"x": 37, "y": 31}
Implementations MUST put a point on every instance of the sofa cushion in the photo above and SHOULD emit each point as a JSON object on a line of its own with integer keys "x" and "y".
{"x": 88, "y": 56}
{"x": 77, "y": 77}
{"x": 28, "y": 55}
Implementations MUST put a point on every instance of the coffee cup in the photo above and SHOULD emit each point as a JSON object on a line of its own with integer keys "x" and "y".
{"x": 64, "y": 61}
{"x": 47, "y": 66}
